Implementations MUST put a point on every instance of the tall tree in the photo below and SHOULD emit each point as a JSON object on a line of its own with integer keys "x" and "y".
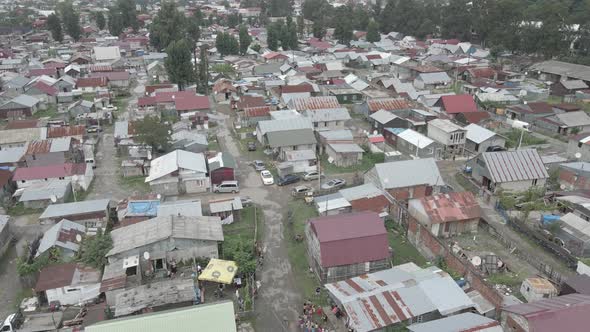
{"x": 361, "y": 18}
{"x": 54, "y": 25}
{"x": 71, "y": 19}
{"x": 226, "y": 44}
{"x": 128, "y": 14}
{"x": 193, "y": 34}
{"x": 456, "y": 20}
{"x": 167, "y": 26}
{"x": 178, "y": 63}
{"x": 279, "y": 8}
{"x": 100, "y": 20}
{"x": 116, "y": 25}
{"x": 319, "y": 29}
{"x": 373, "y": 32}
{"x": 272, "y": 36}
{"x": 151, "y": 132}
{"x": 203, "y": 71}
{"x": 342, "y": 23}
{"x": 245, "y": 39}
{"x": 300, "y": 25}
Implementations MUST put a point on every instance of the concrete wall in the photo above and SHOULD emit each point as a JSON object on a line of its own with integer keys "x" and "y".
{"x": 574, "y": 147}
{"x": 344, "y": 159}
{"x": 73, "y": 295}
{"x": 483, "y": 146}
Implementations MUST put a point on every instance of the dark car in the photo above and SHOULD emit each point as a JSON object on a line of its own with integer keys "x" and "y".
{"x": 495, "y": 148}
{"x": 288, "y": 179}
{"x": 251, "y": 146}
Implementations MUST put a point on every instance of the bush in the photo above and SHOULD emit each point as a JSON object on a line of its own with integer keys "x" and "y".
{"x": 94, "y": 249}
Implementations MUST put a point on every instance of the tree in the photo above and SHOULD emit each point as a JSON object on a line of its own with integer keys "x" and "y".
{"x": 373, "y": 32}
{"x": 272, "y": 36}
{"x": 93, "y": 249}
{"x": 300, "y": 25}
{"x": 100, "y": 20}
{"x": 279, "y": 8}
{"x": 126, "y": 9}
{"x": 203, "y": 84}
{"x": 54, "y": 25}
{"x": 193, "y": 34}
{"x": 456, "y": 21}
{"x": 342, "y": 23}
{"x": 245, "y": 39}
{"x": 319, "y": 29}
{"x": 71, "y": 19}
{"x": 224, "y": 68}
{"x": 361, "y": 18}
{"x": 226, "y": 44}
{"x": 115, "y": 22}
{"x": 168, "y": 25}
{"x": 178, "y": 63}
{"x": 233, "y": 20}
{"x": 256, "y": 47}
{"x": 151, "y": 132}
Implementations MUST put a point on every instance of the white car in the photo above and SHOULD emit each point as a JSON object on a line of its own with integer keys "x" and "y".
{"x": 267, "y": 178}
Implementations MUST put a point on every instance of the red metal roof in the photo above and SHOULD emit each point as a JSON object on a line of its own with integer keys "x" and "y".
{"x": 100, "y": 68}
{"x": 454, "y": 206}
{"x": 41, "y": 71}
{"x": 146, "y": 101}
{"x": 296, "y": 88}
{"x": 315, "y": 103}
{"x": 251, "y": 112}
{"x": 563, "y": 313}
{"x": 91, "y": 82}
{"x": 55, "y": 276}
{"x": 112, "y": 75}
{"x": 482, "y": 72}
{"x": 350, "y": 238}
{"x": 458, "y": 104}
{"x": 274, "y": 55}
{"x": 192, "y": 103}
{"x": 377, "y": 139}
{"x": 45, "y": 88}
{"x": 169, "y": 96}
{"x": 113, "y": 283}
{"x": 388, "y": 104}
{"x": 48, "y": 172}
{"x": 250, "y": 101}
{"x": 55, "y": 132}
{"x": 22, "y": 124}
{"x": 476, "y": 117}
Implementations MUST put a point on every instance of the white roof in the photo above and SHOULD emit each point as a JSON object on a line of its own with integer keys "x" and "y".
{"x": 102, "y": 53}
{"x": 415, "y": 138}
{"x": 576, "y": 223}
{"x": 415, "y": 172}
{"x": 174, "y": 161}
{"x": 383, "y": 116}
{"x": 445, "y": 125}
{"x": 478, "y": 134}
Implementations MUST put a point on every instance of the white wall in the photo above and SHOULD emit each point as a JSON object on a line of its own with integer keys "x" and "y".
{"x": 73, "y": 295}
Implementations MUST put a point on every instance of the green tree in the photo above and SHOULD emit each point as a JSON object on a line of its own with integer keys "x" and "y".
{"x": 116, "y": 26}
{"x": 93, "y": 249}
{"x": 256, "y": 47}
{"x": 126, "y": 9}
{"x": 373, "y": 32}
{"x": 233, "y": 20}
{"x": 245, "y": 39}
{"x": 361, "y": 18}
{"x": 71, "y": 19}
{"x": 224, "y": 68}
{"x": 272, "y": 36}
{"x": 193, "y": 34}
{"x": 300, "y": 25}
{"x": 315, "y": 9}
{"x": 319, "y": 29}
{"x": 342, "y": 23}
{"x": 54, "y": 25}
{"x": 178, "y": 63}
{"x": 279, "y": 8}
{"x": 456, "y": 20}
{"x": 28, "y": 267}
{"x": 168, "y": 25}
{"x": 100, "y": 20}
{"x": 203, "y": 84}
{"x": 226, "y": 44}
{"x": 151, "y": 132}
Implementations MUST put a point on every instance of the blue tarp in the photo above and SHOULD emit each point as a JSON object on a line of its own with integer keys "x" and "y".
{"x": 144, "y": 208}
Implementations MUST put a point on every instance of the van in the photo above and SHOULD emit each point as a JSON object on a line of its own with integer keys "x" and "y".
{"x": 227, "y": 187}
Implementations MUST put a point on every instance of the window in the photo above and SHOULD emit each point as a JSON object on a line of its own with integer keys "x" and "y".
{"x": 62, "y": 178}
{"x": 73, "y": 290}
{"x": 23, "y": 181}
{"x": 534, "y": 182}
{"x": 131, "y": 271}
{"x": 345, "y": 98}
{"x": 580, "y": 144}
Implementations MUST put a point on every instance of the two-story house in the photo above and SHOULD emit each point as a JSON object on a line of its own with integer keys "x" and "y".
{"x": 451, "y": 136}
{"x": 328, "y": 118}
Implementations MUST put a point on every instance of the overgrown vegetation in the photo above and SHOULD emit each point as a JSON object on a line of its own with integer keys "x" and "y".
{"x": 368, "y": 161}
{"x": 50, "y": 112}
{"x": 240, "y": 239}
{"x": 152, "y": 132}
{"x": 403, "y": 250}
{"x": 135, "y": 183}
{"x": 27, "y": 266}
{"x": 513, "y": 137}
{"x": 93, "y": 249}
{"x": 507, "y": 278}
{"x": 532, "y": 199}
{"x": 19, "y": 209}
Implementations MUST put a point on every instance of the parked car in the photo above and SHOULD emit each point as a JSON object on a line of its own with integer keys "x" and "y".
{"x": 110, "y": 108}
{"x": 227, "y": 187}
{"x": 333, "y": 184}
{"x": 251, "y": 146}
{"x": 313, "y": 175}
{"x": 246, "y": 201}
{"x": 259, "y": 165}
{"x": 267, "y": 178}
{"x": 300, "y": 191}
{"x": 288, "y": 179}
{"x": 495, "y": 148}
{"x": 94, "y": 129}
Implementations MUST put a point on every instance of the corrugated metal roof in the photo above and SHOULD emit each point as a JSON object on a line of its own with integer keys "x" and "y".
{"x": 454, "y": 206}
{"x": 367, "y": 190}
{"x": 174, "y": 161}
{"x": 62, "y": 234}
{"x": 328, "y": 114}
{"x": 383, "y": 116}
{"x": 434, "y": 78}
{"x": 314, "y": 103}
{"x": 346, "y": 148}
{"x": 445, "y": 125}
{"x": 284, "y": 124}
{"x": 69, "y": 209}
{"x": 415, "y": 172}
{"x": 520, "y": 165}
{"x": 415, "y": 138}
{"x": 389, "y": 104}
{"x": 290, "y": 137}
{"x": 478, "y": 134}
{"x": 468, "y": 322}
{"x": 224, "y": 205}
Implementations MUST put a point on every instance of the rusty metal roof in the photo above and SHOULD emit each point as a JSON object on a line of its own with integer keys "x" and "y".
{"x": 55, "y": 132}
{"x": 315, "y": 103}
{"x": 388, "y": 104}
{"x": 449, "y": 207}
{"x": 510, "y": 166}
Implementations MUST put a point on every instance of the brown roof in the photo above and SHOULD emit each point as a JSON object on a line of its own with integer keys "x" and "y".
{"x": 454, "y": 206}
{"x": 5, "y": 176}
{"x": 251, "y": 112}
{"x": 475, "y": 117}
{"x": 22, "y": 124}
{"x": 250, "y": 101}
{"x": 315, "y": 103}
{"x": 90, "y": 82}
{"x": 388, "y": 104}
{"x": 482, "y": 72}
{"x": 55, "y": 276}
{"x": 296, "y": 88}
{"x": 149, "y": 89}
{"x": 113, "y": 283}
{"x": 55, "y": 132}
{"x": 350, "y": 238}
{"x": 568, "y": 107}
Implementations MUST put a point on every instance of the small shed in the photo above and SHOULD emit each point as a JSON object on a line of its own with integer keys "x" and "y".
{"x": 221, "y": 168}
{"x": 535, "y": 289}
{"x": 227, "y": 209}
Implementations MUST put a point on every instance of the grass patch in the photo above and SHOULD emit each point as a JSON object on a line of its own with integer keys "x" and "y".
{"x": 50, "y": 112}
{"x": 135, "y": 183}
{"x": 403, "y": 250}
{"x": 297, "y": 251}
{"x": 466, "y": 184}
{"x": 22, "y": 294}
{"x": 83, "y": 194}
{"x": 213, "y": 145}
{"x": 121, "y": 103}
{"x": 369, "y": 160}
{"x": 251, "y": 219}
{"x": 508, "y": 278}
{"x": 513, "y": 137}
{"x": 19, "y": 209}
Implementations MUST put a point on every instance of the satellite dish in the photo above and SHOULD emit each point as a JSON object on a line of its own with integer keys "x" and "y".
{"x": 78, "y": 238}
{"x": 159, "y": 196}
{"x": 374, "y": 132}
{"x": 578, "y": 155}
{"x": 53, "y": 198}
{"x": 146, "y": 255}
{"x": 476, "y": 261}
{"x": 562, "y": 187}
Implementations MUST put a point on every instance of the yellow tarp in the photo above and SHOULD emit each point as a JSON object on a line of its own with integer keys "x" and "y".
{"x": 219, "y": 270}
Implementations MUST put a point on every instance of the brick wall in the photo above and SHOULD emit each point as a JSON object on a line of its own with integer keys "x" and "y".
{"x": 376, "y": 204}
{"x": 432, "y": 248}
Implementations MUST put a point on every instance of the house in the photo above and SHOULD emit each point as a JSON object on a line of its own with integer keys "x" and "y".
{"x": 568, "y": 87}
{"x": 222, "y": 168}
{"x": 91, "y": 84}
{"x": 274, "y": 57}
{"x": 179, "y": 172}
{"x": 366, "y": 197}
{"x": 328, "y": 118}
{"x": 53, "y": 151}
{"x": 579, "y": 283}
{"x": 209, "y": 317}
{"x": 65, "y": 236}
{"x": 68, "y": 284}
{"x": 42, "y": 194}
{"x": 411, "y": 142}
{"x": 189, "y": 140}
{"x": 291, "y": 134}
{"x": 448, "y": 214}
{"x": 432, "y": 81}
{"x": 455, "y": 104}
{"x": 289, "y": 92}
{"x": 19, "y": 107}
{"x": 347, "y": 245}
{"x": 450, "y": 136}
{"x": 224, "y": 90}
{"x": 385, "y": 119}
{"x": 76, "y": 132}
{"x": 332, "y": 204}
{"x": 344, "y": 154}
{"x": 529, "y": 112}
{"x": 561, "y": 313}
{"x": 473, "y": 117}
{"x": 313, "y": 103}
{"x": 267, "y": 69}
{"x": 421, "y": 178}
{"x": 466, "y": 321}
{"x": 574, "y": 175}
{"x": 115, "y": 79}
{"x": 92, "y": 214}
{"x": 509, "y": 170}
{"x": 575, "y": 234}
{"x": 252, "y": 115}
{"x": 42, "y": 91}
{"x": 535, "y": 289}
{"x": 106, "y": 53}
{"x": 565, "y": 123}
{"x": 247, "y": 101}
{"x": 14, "y": 138}
{"x": 479, "y": 139}
{"x": 166, "y": 238}
{"x": 579, "y": 146}
{"x": 334, "y": 137}
{"x": 227, "y": 209}
{"x": 345, "y": 95}
{"x": 556, "y": 71}
{"x": 412, "y": 293}
{"x": 373, "y": 105}
{"x": 79, "y": 175}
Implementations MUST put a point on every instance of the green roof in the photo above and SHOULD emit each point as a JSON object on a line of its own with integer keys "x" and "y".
{"x": 216, "y": 317}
